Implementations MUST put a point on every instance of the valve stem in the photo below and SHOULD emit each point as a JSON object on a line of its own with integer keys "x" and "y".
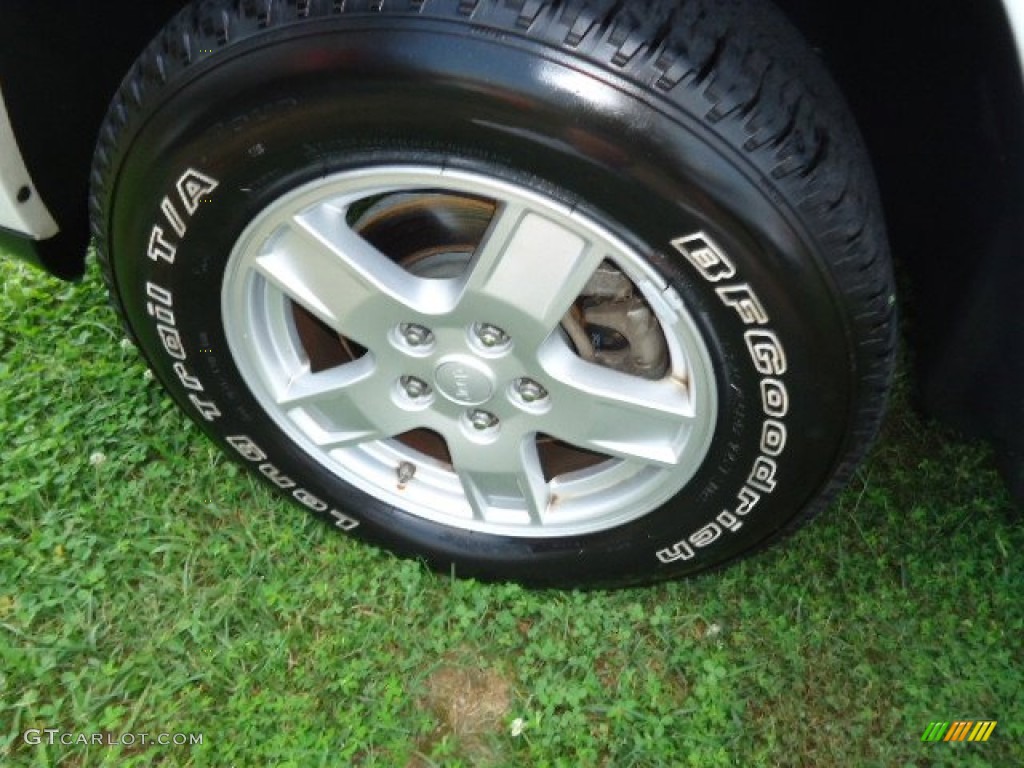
{"x": 406, "y": 471}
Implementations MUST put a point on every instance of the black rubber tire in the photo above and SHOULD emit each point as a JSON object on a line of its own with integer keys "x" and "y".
{"x": 658, "y": 118}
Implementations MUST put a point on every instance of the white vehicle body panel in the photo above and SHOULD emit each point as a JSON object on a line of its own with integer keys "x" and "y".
{"x": 1015, "y": 12}
{"x": 29, "y": 217}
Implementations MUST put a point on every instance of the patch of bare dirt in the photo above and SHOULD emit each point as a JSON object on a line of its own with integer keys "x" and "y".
{"x": 472, "y": 707}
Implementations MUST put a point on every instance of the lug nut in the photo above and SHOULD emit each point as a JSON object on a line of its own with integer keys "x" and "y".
{"x": 416, "y": 335}
{"x": 415, "y": 388}
{"x": 482, "y": 420}
{"x": 491, "y": 335}
{"x": 530, "y": 391}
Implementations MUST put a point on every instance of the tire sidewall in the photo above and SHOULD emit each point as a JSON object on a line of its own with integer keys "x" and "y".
{"x": 259, "y": 123}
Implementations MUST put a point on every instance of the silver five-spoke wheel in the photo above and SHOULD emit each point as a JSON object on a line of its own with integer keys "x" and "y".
{"x": 469, "y": 351}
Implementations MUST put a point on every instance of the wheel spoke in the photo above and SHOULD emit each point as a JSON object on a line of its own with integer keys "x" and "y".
{"x": 320, "y": 263}
{"x": 529, "y": 271}
{"x": 506, "y": 474}
{"x": 611, "y": 412}
{"x": 306, "y": 387}
{"x": 352, "y": 404}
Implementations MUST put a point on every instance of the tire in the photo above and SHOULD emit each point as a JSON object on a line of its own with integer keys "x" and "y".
{"x": 568, "y": 293}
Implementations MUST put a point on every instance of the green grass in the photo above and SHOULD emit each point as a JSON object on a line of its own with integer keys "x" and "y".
{"x": 147, "y": 585}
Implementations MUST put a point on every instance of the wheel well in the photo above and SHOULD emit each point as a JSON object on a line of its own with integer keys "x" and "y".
{"x": 937, "y": 92}
{"x": 59, "y": 69}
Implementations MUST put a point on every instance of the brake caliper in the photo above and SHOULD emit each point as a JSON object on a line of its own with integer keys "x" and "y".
{"x": 612, "y": 325}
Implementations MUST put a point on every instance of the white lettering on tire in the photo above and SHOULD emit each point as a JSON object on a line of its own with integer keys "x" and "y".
{"x": 706, "y": 257}
{"x": 192, "y": 188}
{"x": 768, "y": 357}
{"x": 252, "y": 453}
{"x": 172, "y": 343}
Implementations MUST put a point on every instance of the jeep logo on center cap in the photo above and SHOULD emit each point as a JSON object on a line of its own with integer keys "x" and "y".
{"x": 464, "y": 382}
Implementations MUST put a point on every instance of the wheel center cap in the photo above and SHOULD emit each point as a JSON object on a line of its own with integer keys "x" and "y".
{"x": 464, "y": 381}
